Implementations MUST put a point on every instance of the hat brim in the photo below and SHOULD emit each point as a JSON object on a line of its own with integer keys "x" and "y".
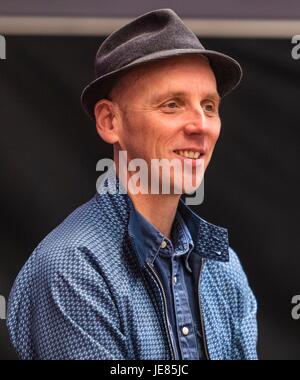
{"x": 227, "y": 71}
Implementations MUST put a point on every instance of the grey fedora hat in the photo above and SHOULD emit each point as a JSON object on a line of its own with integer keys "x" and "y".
{"x": 158, "y": 34}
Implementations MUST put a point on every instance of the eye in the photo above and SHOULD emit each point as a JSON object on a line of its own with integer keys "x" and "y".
{"x": 210, "y": 107}
{"x": 171, "y": 105}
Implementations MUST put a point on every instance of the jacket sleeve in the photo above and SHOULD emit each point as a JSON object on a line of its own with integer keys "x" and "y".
{"x": 61, "y": 307}
{"x": 245, "y": 337}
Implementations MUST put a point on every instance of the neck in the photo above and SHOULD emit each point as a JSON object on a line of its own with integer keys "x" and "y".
{"x": 158, "y": 209}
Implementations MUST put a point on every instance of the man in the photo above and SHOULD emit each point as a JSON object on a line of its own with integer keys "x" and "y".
{"x": 138, "y": 275}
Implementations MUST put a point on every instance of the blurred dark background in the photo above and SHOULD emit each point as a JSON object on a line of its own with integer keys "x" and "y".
{"x": 49, "y": 150}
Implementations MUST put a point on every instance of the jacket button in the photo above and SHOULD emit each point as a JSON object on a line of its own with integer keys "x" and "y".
{"x": 185, "y": 331}
{"x": 174, "y": 280}
{"x": 163, "y": 244}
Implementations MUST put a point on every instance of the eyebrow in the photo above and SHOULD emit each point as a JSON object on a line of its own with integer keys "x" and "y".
{"x": 177, "y": 94}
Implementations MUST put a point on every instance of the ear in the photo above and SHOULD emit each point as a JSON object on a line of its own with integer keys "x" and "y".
{"x": 106, "y": 122}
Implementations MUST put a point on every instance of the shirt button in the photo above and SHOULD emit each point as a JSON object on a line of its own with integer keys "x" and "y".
{"x": 163, "y": 244}
{"x": 185, "y": 331}
{"x": 174, "y": 280}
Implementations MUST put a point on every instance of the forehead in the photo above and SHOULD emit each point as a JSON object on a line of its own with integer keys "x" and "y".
{"x": 176, "y": 74}
{"x": 152, "y": 80}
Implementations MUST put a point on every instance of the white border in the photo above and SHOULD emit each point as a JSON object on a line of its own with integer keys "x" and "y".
{"x": 86, "y": 26}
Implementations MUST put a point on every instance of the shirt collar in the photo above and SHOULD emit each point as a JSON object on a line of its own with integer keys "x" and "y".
{"x": 181, "y": 236}
{"x": 210, "y": 241}
{"x": 148, "y": 239}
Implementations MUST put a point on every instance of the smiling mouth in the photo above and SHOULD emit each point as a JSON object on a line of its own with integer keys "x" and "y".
{"x": 194, "y": 155}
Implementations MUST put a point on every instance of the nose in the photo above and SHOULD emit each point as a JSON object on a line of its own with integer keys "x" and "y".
{"x": 197, "y": 122}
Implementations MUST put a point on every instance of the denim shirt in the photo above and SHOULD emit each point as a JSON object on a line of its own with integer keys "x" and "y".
{"x": 176, "y": 274}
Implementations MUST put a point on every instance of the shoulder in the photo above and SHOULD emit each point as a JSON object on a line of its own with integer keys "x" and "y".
{"x": 76, "y": 229}
{"x": 230, "y": 277}
{"x": 76, "y": 251}
{"x": 72, "y": 251}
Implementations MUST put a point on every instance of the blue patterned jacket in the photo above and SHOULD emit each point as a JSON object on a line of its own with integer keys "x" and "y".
{"x": 84, "y": 293}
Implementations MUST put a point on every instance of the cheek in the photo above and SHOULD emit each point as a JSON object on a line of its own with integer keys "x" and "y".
{"x": 215, "y": 133}
{"x": 137, "y": 139}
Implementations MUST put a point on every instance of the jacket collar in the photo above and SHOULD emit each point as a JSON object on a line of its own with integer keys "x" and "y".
{"x": 211, "y": 241}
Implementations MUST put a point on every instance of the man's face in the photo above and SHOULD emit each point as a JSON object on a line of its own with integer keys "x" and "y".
{"x": 171, "y": 108}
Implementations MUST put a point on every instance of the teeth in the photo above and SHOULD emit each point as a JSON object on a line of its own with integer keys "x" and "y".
{"x": 188, "y": 153}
